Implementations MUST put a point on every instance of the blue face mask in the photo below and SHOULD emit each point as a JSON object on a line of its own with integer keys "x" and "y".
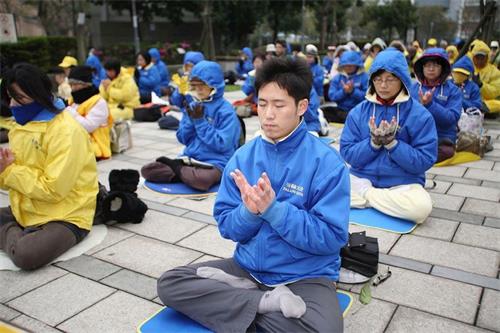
{"x": 23, "y": 114}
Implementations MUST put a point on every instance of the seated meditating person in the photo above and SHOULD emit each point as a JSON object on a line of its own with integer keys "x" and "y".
{"x": 348, "y": 87}
{"x": 390, "y": 141}
{"x": 281, "y": 278}
{"x": 462, "y": 72}
{"x": 180, "y": 83}
{"x": 49, "y": 170}
{"x": 440, "y": 96}
{"x": 209, "y": 129}
{"x": 120, "y": 91}
{"x": 245, "y": 63}
{"x": 91, "y": 110}
{"x": 248, "y": 106}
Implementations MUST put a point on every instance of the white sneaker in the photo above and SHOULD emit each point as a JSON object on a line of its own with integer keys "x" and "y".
{"x": 351, "y": 277}
{"x": 359, "y": 185}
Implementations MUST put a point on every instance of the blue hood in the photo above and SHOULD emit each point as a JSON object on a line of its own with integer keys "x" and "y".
{"x": 248, "y": 53}
{"x": 193, "y": 57}
{"x": 154, "y": 53}
{"x": 394, "y": 62}
{"x": 211, "y": 73}
{"x": 464, "y": 63}
{"x": 437, "y": 53}
{"x": 351, "y": 58}
{"x": 94, "y": 62}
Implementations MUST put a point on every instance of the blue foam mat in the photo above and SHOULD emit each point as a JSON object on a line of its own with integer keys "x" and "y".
{"x": 168, "y": 320}
{"x": 178, "y": 188}
{"x": 372, "y": 218}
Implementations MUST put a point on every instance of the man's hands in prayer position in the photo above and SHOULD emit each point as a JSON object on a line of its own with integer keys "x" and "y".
{"x": 256, "y": 198}
{"x": 6, "y": 158}
{"x": 385, "y": 133}
{"x": 426, "y": 98}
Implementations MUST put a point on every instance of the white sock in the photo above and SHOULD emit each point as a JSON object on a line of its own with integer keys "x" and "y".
{"x": 219, "y": 275}
{"x": 282, "y": 299}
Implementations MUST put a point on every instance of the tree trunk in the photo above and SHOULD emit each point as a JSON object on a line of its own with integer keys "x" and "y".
{"x": 207, "y": 37}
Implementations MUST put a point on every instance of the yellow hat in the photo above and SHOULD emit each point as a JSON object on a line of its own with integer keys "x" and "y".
{"x": 68, "y": 62}
{"x": 432, "y": 42}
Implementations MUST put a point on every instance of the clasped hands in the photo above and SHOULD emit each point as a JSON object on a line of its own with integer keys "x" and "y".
{"x": 6, "y": 158}
{"x": 426, "y": 98}
{"x": 195, "y": 112}
{"x": 348, "y": 87}
{"x": 256, "y": 198}
{"x": 385, "y": 133}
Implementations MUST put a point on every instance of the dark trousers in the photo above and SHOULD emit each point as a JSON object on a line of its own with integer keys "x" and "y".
{"x": 335, "y": 115}
{"x": 446, "y": 149}
{"x": 34, "y": 247}
{"x": 223, "y": 308}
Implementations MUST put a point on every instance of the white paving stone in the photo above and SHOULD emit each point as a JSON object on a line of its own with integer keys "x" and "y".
{"x": 436, "y": 228}
{"x": 60, "y": 299}
{"x": 204, "y": 206}
{"x": 113, "y": 236}
{"x": 445, "y": 201}
{"x": 482, "y": 174}
{"x": 121, "y": 312}
{"x": 33, "y": 325}
{"x": 454, "y": 171}
{"x": 145, "y": 154}
{"x": 372, "y": 317}
{"x": 109, "y": 165}
{"x": 147, "y": 256}
{"x": 489, "y": 311}
{"x": 7, "y": 314}
{"x": 455, "y": 300}
{"x": 481, "y": 164}
{"x": 205, "y": 258}
{"x": 433, "y": 251}
{"x": 478, "y": 192}
{"x": 478, "y": 236}
{"x": 146, "y": 194}
{"x": 133, "y": 283}
{"x": 482, "y": 207}
{"x": 411, "y": 320}
{"x": 4, "y": 200}
{"x": 385, "y": 239}
{"x": 163, "y": 227}
{"x": 13, "y": 284}
{"x": 208, "y": 240}
{"x": 441, "y": 187}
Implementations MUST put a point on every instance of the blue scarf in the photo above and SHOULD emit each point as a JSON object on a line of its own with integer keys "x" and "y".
{"x": 23, "y": 114}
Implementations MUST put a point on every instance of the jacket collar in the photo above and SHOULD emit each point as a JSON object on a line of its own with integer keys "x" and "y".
{"x": 400, "y": 98}
{"x": 292, "y": 139}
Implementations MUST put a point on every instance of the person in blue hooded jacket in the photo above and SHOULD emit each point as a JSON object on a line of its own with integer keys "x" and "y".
{"x": 390, "y": 141}
{"x": 180, "y": 82}
{"x": 244, "y": 64}
{"x": 348, "y": 87}
{"x": 317, "y": 70}
{"x": 439, "y": 96}
{"x": 289, "y": 223}
{"x": 147, "y": 77}
{"x": 461, "y": 72}
{"x": 98, "y": 71}
{"x": 209, "y": 129}
{"x": 161, "y": 67}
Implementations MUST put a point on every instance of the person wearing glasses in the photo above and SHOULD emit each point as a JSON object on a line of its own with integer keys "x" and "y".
{"x": 390, "y": 141}
{"x": 440, "y": 96}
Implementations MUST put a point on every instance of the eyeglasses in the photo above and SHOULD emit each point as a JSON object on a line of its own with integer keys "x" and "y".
{"x": 389, "y": 81}
{"x": 432, "y": 65}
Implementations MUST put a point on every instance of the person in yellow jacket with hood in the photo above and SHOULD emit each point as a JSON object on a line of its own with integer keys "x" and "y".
{"x": 487, "y": 75}
{"x": 50, "y": 173}
{"x": 90, "y": 110}
{"x": 120, "y": 91}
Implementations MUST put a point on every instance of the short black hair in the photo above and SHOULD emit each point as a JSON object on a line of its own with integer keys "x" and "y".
{"x": 33, "y": 82}
{"x": 282, "y": 42}
{"x": 259, "y": 55}
{"x": 146, "y": 56}
{"x": 113, "y": 64}
{"x": 293, "y": 75}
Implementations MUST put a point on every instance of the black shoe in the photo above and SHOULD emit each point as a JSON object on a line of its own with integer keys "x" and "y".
{"x": 124, "y": 207}
{"x": 174, "y": 164}
{"x": 124, "y": 180}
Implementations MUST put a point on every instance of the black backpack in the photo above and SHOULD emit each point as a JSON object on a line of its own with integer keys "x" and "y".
{"x": 360, "y": 254}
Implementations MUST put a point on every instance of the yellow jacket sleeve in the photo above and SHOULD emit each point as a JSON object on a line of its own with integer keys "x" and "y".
{"x": 59, "y": 174}
{"x": 491, "y": 82}
{"x": 127, "y": 94}
{"x": 104, "y": 94}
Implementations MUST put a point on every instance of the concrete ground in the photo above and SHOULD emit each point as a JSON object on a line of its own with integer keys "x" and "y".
{"x": 444, "y": 274}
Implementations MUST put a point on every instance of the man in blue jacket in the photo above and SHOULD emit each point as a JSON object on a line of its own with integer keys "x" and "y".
{"x": 161, "y": 67}
{"x": 98, "y": 72}
{"x": 289, "y": 223}
{"x": 462, "y": 71}
{"x": 209, "y": 129}
{"x": 348, "y": 87}
{"x": 390, "y": 141}
{"x": 439, "y": 96}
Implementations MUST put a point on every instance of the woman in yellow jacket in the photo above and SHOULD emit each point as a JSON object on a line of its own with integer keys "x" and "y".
{"x": 487, "y": 75}
{"x": 90, "y": 110}
{"x": 50, "y": 173}
{"x": 120, "y": 91}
